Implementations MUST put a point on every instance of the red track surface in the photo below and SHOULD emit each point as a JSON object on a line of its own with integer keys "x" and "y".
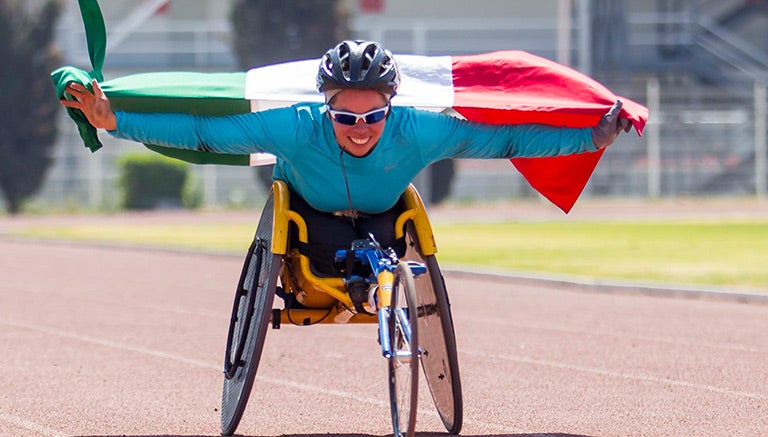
{"x": 97, "y": 341}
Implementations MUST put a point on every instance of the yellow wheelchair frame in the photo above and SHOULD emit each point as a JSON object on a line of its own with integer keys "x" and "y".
{"x": 322, "y": 294}
{"x": 406, "y": 290}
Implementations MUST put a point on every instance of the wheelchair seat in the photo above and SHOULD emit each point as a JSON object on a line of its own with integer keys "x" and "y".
{"x": 314, "y": 290}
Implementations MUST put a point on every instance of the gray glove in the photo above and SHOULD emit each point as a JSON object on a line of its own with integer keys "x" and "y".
{"x": 610, "y": 126}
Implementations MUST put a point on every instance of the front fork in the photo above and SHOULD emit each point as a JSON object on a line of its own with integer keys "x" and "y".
{"x": 387, "y": 349}
{"x": 385, "y": 313}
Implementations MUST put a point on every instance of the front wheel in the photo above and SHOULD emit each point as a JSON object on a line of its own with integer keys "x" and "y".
{"x": 404, "y": 353}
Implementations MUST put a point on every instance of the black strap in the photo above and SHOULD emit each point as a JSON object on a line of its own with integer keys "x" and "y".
{"x": 321, "y": 257}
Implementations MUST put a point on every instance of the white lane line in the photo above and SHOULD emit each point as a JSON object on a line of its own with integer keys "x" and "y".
{"x": 107, "y": 343}
{"x": 112, "y": 303}
{"x": 628, "y": 376}
{"x": 560, "y": 329}
{"x": 383, "y": 403}
{"x": 262, "y": 378}
{"x": 29, "y": 425}
{"x": 513, "y": 325}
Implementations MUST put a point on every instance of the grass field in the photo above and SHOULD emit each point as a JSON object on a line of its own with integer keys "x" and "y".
{"x": 731, "y": 253}
{"x": 717, "y": 254}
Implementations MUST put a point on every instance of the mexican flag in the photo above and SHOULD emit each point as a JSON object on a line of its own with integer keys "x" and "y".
{"x": 507, "y": 87}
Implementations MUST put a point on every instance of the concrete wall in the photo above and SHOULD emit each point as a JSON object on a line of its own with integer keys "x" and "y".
{"x": 466, "y": 9}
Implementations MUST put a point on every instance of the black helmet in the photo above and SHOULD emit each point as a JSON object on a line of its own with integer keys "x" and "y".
{"x": 358, "y": 64}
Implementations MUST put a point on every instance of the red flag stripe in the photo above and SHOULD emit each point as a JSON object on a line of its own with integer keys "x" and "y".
{"x": 533, "y": 89}
{"x": 518, "y": 87}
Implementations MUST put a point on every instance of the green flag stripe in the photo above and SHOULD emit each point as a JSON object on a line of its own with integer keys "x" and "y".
{"x": 95, "y": 35}
{"x": 191, "y": 93}
{"x": 194, "y": 93}
{"x": 198, "y": 157}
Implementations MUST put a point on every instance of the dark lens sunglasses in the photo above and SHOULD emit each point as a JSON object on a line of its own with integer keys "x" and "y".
{"x": 350, "y": 118}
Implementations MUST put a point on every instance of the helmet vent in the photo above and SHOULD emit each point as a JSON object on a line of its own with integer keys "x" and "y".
{"x": 358, "y": 64}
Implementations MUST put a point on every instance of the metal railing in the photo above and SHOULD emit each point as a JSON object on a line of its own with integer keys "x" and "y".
{"x": 190, "y": 44}
{"x": 698, "y": 142}
{"x": 691, "y": 147}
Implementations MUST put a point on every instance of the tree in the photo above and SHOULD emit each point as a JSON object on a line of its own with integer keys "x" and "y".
{"x": 29, "y": 108}
{"x": 274, "y": 31}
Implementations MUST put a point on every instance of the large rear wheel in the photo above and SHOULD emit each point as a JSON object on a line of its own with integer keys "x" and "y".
{"x": 249, "y": 322}
{"x": 437, "y": 340}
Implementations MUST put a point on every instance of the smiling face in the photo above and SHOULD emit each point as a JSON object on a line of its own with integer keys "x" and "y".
{"x": 360, "y": 139}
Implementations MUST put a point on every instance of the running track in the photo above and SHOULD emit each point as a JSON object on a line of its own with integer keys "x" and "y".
{"x": 99, "y": 341}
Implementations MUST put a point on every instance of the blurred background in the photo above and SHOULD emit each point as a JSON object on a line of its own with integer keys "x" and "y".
{"x": 701, "y": 66}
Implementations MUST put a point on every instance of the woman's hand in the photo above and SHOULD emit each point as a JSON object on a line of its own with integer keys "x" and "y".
{"x": 610, "y": 126}
{"x": 95, "y": 105}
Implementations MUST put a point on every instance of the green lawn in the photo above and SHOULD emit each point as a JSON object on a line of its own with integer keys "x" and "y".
{"x": 728, "y": 253}
{"x": 717, "y": 253}
{"x": 225, "y": 238}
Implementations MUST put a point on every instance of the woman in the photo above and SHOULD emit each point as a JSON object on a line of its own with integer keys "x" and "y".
{"x": 348, "y": 160}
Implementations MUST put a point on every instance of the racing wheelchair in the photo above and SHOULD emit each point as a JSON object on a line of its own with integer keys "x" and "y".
{"x": 405, "y": 296}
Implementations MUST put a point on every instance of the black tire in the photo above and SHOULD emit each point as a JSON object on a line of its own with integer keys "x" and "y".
{"x": 437, "y": 339}
{"x": 404, "y": 367}
{"x": 250, "y": 320}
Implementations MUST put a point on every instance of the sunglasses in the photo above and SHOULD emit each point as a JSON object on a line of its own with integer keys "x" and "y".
{"x": 351, "y": 118}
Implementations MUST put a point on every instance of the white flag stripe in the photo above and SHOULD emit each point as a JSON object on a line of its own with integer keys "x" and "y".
{"x": 289, "y": 82}
{"x": 426, "y": 82}
{"x": 258, "y": 159}
{"x": 262, "y": 105}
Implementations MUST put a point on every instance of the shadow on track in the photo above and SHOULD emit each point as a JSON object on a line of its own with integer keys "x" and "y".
{"x": 418, "y": 434}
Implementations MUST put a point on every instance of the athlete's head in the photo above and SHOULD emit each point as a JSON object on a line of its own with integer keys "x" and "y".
{"x": 358, "y": 65}
{"x": 358, "y": 79}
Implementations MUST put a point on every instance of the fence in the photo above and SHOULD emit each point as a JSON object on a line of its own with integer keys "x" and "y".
{"x": 695, "y": 144}
{"x": 700, "y": 144}
{"x": 698, "y": 141}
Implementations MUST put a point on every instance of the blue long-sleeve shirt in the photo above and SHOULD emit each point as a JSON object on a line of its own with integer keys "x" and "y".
{"x": 311, "y": 162}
